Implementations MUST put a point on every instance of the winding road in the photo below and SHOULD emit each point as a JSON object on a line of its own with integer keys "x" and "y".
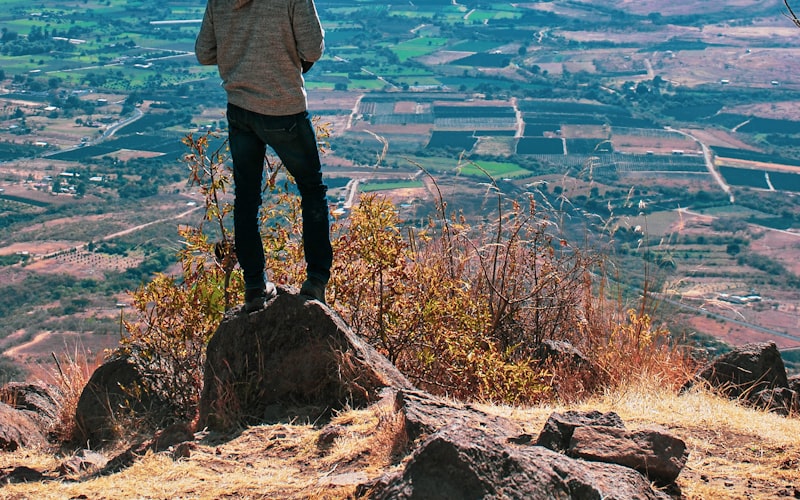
{"x": 709, "y": 160}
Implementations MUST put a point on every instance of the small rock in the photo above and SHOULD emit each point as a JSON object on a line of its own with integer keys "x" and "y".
{"x": 83, "y": 461}
{"x": 557, "y": 431}
{"x": 21, "y": 474}
{"x": 658, "y": 455}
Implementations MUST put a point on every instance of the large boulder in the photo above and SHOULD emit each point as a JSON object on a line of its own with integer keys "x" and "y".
{"x": 746, "y": 370}
{"x": 754, "y": 374}
{"x": 294, "y": 353}
{"x": 461, "y": 461}
{"x": 115, "y": 392}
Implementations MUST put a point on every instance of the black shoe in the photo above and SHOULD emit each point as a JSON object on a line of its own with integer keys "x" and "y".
{"x": 255, "y": 298}
{"x": 313, "y": 289}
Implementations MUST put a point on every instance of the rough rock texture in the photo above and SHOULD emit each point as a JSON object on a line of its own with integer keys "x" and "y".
{"x": 425, "y": 414}
{"x": 658, "y": 455}
{"x": 106, "y": 397}
{"x": 780, "y": 400}
{"x": 794, "y": 383}
{"x": 560, "y": 351}
{"x": 467, "y": 453}
{"x": 82, "y": 461}
{"x": 460, "y": 462}
{"x": 38, "y": 401}
{"x": 557, "y": 432}
{"x": 18, "y": 430}
{"x": 746, "y": 370}
{"x": 294, "y": 352}
{"x": 754, "y": 373}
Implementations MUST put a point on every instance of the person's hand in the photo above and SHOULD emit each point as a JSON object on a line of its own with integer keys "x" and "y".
{"x": 306, "y": 65}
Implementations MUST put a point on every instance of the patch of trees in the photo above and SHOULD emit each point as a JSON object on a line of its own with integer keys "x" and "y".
{"x": 10, "y": 371}
{"x": 38, "y": 41}
{"x": 10, "y": 260}
{"x": 773, "y": 267}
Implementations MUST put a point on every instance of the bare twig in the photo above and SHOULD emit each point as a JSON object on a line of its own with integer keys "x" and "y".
{"x": 791, "y": 15}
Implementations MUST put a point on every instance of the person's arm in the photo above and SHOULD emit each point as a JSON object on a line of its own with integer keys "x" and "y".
{"x": 205, "y": 47}
{"x": 308, "y": 33}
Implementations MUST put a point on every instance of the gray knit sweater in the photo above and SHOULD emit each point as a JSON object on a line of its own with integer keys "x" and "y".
{"x": 257, "y": 46}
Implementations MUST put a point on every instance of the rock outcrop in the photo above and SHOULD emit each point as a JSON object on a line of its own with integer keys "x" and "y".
{"x": 462, "y": 461}
{"x": 293, "y": 353}
{"x": 753, "y": 373}
{"x": 557, "y": 432}
{"x": 463, "y": 452}
{"x": 296, "y": 353}
{"x": 655, "y": 453}
{"x": 28, "y": 416}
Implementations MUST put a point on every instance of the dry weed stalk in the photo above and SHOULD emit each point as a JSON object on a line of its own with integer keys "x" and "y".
{"x": 72, "y": 372}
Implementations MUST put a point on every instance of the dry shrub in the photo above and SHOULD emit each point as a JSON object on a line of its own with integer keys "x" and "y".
{"x": 176, "y": 316}
{"x": 463, "y": 309}
{"x": 70, "y": 375}
{"x": 460, "y": 308}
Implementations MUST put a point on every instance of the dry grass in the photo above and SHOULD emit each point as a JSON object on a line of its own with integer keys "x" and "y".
{"x": 735, "y": 452}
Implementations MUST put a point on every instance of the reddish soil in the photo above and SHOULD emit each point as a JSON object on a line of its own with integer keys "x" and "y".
{"x": 660, "y": 145}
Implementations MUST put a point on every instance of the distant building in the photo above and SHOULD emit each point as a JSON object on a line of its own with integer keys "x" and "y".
{"x": 739, "y": 299}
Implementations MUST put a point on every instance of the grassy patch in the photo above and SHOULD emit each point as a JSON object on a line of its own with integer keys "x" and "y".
{"x": 418, "y": 47}
{"x": 389, "y": 185}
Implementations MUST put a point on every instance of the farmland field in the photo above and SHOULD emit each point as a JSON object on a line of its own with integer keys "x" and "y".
{"x": 571, "y": 98}
{"x": 543, "y": 146}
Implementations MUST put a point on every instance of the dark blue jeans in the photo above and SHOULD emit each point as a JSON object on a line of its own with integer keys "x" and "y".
{"x": 294, "y": 141}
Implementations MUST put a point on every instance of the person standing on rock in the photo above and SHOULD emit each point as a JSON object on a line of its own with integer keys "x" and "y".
{"x": 262, "y": 49}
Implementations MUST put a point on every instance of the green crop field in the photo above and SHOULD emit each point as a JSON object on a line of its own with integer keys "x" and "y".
{"x": 417, "y": 47}
{"x": 495, "y": 169}
{"x": 369, "y": 187}
{"x": 480, "y": 15}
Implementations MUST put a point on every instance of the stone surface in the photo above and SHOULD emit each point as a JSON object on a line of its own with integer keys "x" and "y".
{"x": 557, "y": 431}
{"x": 107, "y": 397}
{"x": 21, "y": 474}
{"x": 293, "y": 353}
{"x": 38, "y": 400}
{"x": 780, "y": 400}
{"x": 560, "y": 351}
{"x": 463, "y": 462}
{"x": 18, "y": 430}
{"x": 746, "y": 370}
{"x": 425, "y": 414}
{"x": 653, "y": 452}
{"x": 84, "y": 460}
{"x": 794, "y": 383}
